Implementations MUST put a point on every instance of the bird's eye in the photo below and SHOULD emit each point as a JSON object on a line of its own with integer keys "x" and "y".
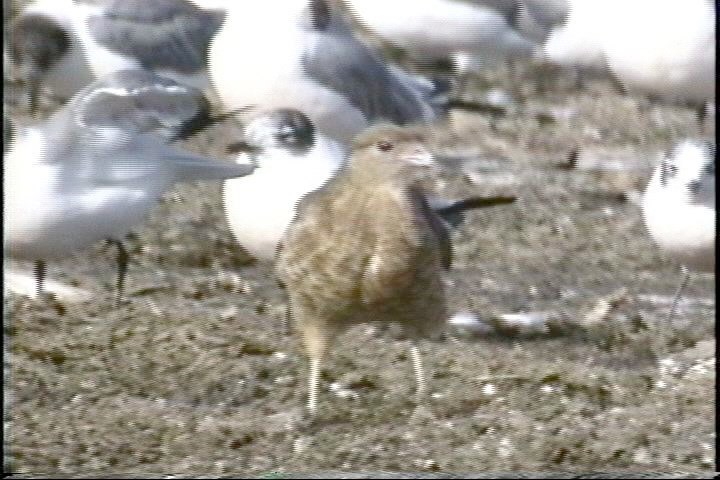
{"x": 384, "y": 146}
{"x": 694, "y": 186}
{"x": 285, "y": 131}
{"x": 667, "y": 171}
{"x": 285, "y": 136}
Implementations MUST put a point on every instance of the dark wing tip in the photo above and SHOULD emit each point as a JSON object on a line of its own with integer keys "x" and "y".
{"x": 241, "y": 146}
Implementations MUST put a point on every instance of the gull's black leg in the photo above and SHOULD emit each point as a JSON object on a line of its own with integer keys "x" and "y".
{"x": 678, "y": 294}
{"x": 123, "y": 258}
{"x": 40, "y": 268}
{"x": 702, "y": 112}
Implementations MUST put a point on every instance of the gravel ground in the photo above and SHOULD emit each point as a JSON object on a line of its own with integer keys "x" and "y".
{"x": 194, "y": 376}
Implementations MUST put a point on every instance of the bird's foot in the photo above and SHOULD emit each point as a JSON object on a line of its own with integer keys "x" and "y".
{"x": 422, "y": 415}
{"x": 50, "y": 299}
{"x": 301, "y": 420}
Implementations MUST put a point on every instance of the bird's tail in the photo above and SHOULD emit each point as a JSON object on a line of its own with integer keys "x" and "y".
{"x": 452, "y": 212}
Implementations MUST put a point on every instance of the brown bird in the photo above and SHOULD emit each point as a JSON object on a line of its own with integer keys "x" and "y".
{"x": 367, "y": 247}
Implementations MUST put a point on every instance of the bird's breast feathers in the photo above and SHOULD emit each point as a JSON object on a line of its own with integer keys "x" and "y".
{"x": 377, "y": 252}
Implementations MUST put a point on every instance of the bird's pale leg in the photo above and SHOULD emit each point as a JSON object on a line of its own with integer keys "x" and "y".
{"x": 313, "y": 384}
{"x": 678, "y": 293}
{"x": 423, "y": 413}
{"x": 40, "y": 268}
{"x": 419, "y": 372}
{"x": 287, "y": 322}
{"x": 316, "y": 337}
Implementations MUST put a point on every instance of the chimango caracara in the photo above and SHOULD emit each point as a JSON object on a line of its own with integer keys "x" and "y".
{"x": 366, "y": 247}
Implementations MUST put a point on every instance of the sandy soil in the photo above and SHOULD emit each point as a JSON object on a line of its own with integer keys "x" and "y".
{"x": 193, "y": 375}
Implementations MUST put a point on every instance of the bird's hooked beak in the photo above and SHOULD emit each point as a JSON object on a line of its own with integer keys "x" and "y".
{"x": 420, "y": 156}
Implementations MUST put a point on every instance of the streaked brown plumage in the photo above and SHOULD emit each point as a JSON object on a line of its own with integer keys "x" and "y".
{"x": 366, "y": 247}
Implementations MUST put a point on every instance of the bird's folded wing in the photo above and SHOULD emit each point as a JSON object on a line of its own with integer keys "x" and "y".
{"x": 139, "y": 101}
{"x": 171, "y": 34}
{"x": 114, "y": 157}
{"x": 349, "y": 68}
{"x": 438, "y": 226}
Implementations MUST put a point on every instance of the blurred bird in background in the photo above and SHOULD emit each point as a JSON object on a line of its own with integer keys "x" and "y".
{"x": 99, "y": 164}
{"x": 664, "y": 49}
{"x": 679, "y": 209}
{"x": 64, "y": 45}
{"x": 471, "y": 35}
{"x": 302, "y": 54}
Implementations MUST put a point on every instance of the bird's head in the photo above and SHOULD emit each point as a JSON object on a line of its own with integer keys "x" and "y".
{"x": 37, "y": 43}
{"x": 285, "y": 129}
{"x": 689, "y": 169}
{"x": 317, "y": 15}
{"x": 394, "y": 152}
